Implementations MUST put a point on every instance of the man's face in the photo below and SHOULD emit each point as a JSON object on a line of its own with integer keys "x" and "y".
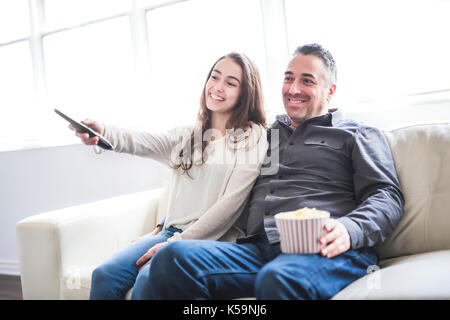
{"x": 306, "y": 90}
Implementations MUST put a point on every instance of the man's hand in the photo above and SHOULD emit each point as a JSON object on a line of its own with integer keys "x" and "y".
{"x": 337, "y": 239}
{"x": 150, "y": 253}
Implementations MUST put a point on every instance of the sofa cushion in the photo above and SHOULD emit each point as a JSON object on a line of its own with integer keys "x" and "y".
{"x": 422, "y": 159}
{"x": 418, "y": 276}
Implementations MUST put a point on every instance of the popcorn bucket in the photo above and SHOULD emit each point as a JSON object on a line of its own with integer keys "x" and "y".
{"x": 300, "y": 233}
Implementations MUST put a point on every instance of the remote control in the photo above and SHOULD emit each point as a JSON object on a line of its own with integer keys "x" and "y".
{"x": 80, "y": 127}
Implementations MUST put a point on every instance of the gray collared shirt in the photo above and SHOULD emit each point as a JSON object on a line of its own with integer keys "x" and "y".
{"x": 330, "y": 164}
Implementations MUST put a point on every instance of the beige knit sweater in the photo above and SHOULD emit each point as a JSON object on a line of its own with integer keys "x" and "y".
{"x": 207, "y": 204}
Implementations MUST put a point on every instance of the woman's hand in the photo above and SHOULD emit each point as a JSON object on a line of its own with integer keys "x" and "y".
{"x": 98, "y": 127}
{"x": 150, "y": 253}
{"x": 154, "y": 232}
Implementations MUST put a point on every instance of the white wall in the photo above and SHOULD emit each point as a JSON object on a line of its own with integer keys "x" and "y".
{"x": 40, "y": 180}
{"x": 383, "y": 117}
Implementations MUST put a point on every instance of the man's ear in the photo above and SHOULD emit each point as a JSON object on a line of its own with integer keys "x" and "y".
{"x": 331, "y": 92}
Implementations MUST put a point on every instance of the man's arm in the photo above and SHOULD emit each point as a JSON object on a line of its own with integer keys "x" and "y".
{"x": 377, "y": 190}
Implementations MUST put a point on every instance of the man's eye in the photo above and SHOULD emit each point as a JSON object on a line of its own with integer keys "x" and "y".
{"x": 287, "y": 79}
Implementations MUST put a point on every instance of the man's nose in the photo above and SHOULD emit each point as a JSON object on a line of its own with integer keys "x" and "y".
{"x": 295, "y": 88}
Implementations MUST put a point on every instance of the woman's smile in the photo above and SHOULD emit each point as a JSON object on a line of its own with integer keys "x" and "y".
{"x": 216, "y": 97}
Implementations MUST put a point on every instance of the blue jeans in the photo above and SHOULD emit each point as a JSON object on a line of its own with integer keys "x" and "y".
{"x": 202, "y": 269}
{"x": 114, "y": 278}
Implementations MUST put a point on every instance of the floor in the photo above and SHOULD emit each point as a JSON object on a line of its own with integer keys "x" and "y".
{"x": 10, "y": 287}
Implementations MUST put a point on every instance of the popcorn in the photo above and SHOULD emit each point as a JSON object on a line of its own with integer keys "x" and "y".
{"x": 305, "y": 213}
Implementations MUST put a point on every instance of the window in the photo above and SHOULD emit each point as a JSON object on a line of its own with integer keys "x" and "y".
{"x": 143, "y": 63}
{"x": 17, "y": 95}
{"x": 195, "y": 34}
{"x": 90, "y": 70}
{"x": 65, "y": 13}
{"x": 14, "y": 20}
{"x": 16, "y": 73}
{"x": 109, "y": 60}
{"x": 383, "y": 49}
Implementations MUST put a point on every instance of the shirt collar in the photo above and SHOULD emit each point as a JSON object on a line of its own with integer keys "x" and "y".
{"x": 335, "y": 114}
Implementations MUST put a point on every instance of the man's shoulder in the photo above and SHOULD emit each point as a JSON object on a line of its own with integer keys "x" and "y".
{"x": 358, "y": 133}
{"x": 348, "y": 125}
{"x": 281, "y": 120}
{"x": 353, "y": 126}
{"x": 340, "y": 120}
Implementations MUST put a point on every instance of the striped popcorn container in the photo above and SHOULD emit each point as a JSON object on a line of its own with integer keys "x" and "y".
{"x": 300, "y": 232}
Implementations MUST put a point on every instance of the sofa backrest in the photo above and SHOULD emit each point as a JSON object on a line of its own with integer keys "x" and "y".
{"x": 422, "y": 159}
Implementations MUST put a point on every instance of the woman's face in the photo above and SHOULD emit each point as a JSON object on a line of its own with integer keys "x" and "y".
{"x": 223, "y": 88}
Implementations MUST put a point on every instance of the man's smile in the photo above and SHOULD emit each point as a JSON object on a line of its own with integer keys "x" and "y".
{"x": 297, "y": 101}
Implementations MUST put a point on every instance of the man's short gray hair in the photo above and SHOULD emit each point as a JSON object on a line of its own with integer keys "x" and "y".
{"x": 317, "y": 50}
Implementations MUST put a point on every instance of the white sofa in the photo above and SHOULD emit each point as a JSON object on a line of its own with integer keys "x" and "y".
{"x": 58, "y": 250}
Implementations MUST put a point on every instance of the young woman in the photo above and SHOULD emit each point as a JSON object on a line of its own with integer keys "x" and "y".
{"x": 214, "y": 165}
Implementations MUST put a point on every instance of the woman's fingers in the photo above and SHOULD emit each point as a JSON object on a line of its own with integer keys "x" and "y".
{"x": 143, "y": 266}
{"x": 144, "y": 257}
{"x": 94, "y": 125}
{"x": 150, "y": 253}
{"x": 84, "y": 136}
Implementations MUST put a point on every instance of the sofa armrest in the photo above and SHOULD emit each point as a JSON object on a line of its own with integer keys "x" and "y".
{"x": 76, "y": 239}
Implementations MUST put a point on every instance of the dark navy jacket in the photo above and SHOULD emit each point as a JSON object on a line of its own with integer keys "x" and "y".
{"x": 330, "y": 164}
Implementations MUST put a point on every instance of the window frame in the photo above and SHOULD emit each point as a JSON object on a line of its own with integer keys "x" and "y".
{"x": 275, "y": 42}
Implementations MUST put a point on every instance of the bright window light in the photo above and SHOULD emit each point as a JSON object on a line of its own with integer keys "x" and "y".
{"x": 17, "y": 95}
{"x": 143, "y": 63}
{"x": 59, "y": 14}
{"x": 185, "y": 40}
{"x": 383, "y": 48}
{"x": 153, "y": 3}
{"x": 14, "y": 20}
{"x": 90, "y": 70}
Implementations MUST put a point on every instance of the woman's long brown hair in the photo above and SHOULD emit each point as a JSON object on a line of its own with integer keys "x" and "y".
{"x": 249, "y": 108}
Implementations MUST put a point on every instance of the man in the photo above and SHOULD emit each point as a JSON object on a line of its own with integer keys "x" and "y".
{"x": 325, "y": 162}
